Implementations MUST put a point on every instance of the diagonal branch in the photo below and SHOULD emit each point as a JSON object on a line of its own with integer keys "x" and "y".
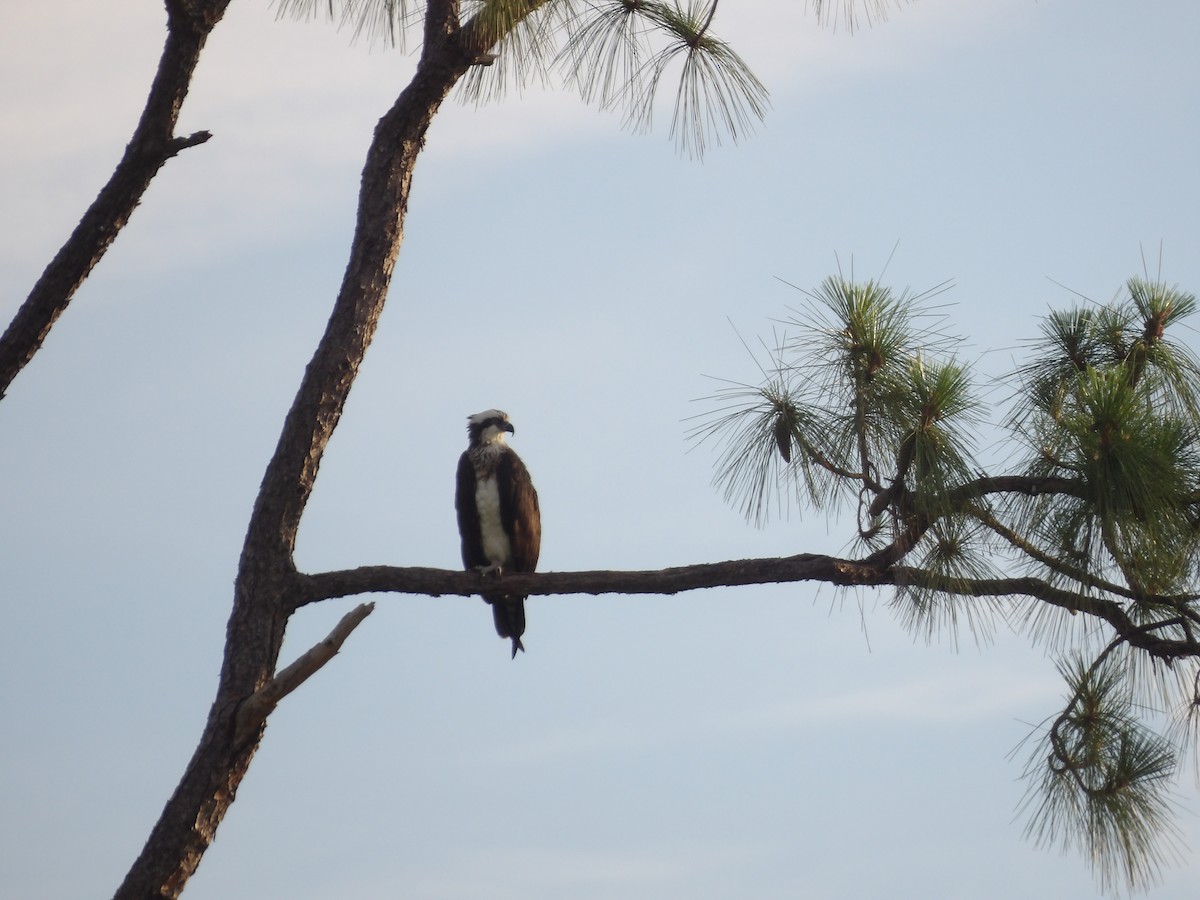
{"x": 1140, "y": 636}
{"x": 152, "y": 144}
{"x": 962, "y": 498}
{"x": 494, "y": 22}
{"x": 1177, "y": 601}
{"x": 448, "y": 51}
{"x": 253, "y": 713}
{"x": 264, "y": 585}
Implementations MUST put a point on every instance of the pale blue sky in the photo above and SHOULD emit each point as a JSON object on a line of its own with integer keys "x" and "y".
{"x": 763, "y": 742}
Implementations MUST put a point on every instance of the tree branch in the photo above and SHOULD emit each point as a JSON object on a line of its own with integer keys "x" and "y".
{"x": 152, "y": 144}
{"x": 264, "y": 587}
{"x": 491, "y": 24}
{"x": 1029, "y": 485}
{"x": 961, "y": 499}
{"x": 904, "y": 458}
{"x": 311, "y": 588}
{"x": 1110, "y": 611}
{"x": 182, "y": 143}
{"x": 1050, "y": 562}
{"x": 828, "y": 465}
{"x": 252, "y": 714}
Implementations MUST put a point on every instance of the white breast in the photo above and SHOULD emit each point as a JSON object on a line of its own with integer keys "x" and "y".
{"x": 491, "y": 528}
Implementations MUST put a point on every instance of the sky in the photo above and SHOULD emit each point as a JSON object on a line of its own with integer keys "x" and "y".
{"x": 774, "y": 741}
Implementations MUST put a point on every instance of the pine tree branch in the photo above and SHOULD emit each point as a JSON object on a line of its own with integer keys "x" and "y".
{"x": 884, "y": 498}
{"x": 492, "y": 24}
{"x": 831, "y": 467}
{"x": 1139, "y": 636}
{"x": 1051, "y": 562}
{"x": 152, "y": 144}
{"x": 962, "y": 498}
{"x": 1066, "y": 764}
{"x": 266, "y": 573}
{"x": 1029, "y": 485}
{"x": 312, "y": 588}
{"x": 252, "y": 714}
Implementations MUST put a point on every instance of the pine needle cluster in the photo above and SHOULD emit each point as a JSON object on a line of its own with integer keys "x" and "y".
{"x": 617, "y": 53}
{"x": 865, "y": 403}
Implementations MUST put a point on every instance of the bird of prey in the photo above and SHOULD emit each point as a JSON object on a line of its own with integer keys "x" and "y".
{"x": 498, "y": 516}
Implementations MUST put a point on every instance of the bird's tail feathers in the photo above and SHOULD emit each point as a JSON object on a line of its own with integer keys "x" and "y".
{"x": 508, "y": 613}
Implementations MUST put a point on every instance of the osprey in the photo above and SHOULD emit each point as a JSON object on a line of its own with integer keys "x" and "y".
{"x": 498, "y": 516}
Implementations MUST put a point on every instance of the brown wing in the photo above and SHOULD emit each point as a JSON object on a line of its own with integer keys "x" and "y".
{"x": 520, "y": 511}
{"x": 468, "y": 515}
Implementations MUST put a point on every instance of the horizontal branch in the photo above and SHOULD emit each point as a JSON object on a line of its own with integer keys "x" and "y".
{"x": 254, "y": 711}
{"x": 311, "y": 588}
{"x": 1030, "y": 485}
{"x": 438, "y": 582}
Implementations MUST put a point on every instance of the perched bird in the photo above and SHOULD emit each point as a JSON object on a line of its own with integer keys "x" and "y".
{"x": 498, "y": 516}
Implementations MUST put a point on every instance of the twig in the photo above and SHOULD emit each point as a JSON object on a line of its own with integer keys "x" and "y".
{"x": 182, "y": 143}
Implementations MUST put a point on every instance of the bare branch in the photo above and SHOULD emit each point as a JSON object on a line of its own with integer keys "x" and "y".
{"x": 152, "y": 144}
{"x": 439, "y": 582}
{"x": 182, "y": 143}
{"x": 311, "y": 588}
{"x": 253, "y": 713}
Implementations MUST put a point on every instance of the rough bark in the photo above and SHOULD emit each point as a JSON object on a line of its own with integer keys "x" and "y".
{"x": 265, "y": 589}
{"x": 153, "y": 143}
{"x": 1167, "y": 639}
{"x": 254, "y": 710}
{"x": 438, "y": 582}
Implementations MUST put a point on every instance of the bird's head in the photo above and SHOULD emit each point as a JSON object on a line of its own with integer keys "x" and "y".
{"x": 488, "y": 427}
